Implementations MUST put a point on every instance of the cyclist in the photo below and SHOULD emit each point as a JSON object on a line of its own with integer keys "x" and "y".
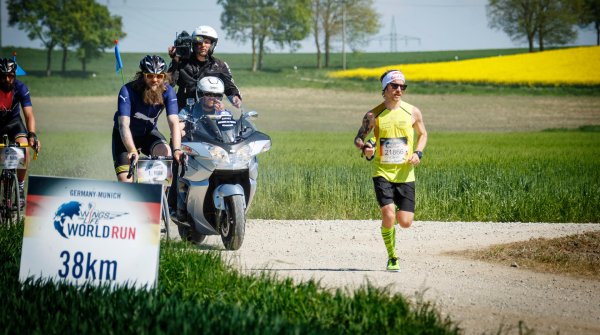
{"x": 210, "y": 90}
{"x": 396, "y": 153}
{"x": 12, "y": 94}
{"x": 187, "y": 72}
{"x": 140, "y": 103}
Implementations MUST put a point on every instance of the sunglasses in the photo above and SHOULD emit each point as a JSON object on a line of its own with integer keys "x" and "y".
{"x": 8, "y": 75}
{"x": 151, "y": 76}
{"x": 395, "y": 86}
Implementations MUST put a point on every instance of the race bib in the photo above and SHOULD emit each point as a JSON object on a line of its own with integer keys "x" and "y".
{"x": 393, "y": 150}
{"x": 154, "y": 172}
{"x": 12, "y": 158}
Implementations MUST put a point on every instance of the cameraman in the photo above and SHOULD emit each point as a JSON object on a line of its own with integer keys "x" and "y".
{"x": 186, "y": 71}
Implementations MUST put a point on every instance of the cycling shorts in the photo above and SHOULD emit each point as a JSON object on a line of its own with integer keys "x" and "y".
{"x": 14, "y": 128}
{"x": 401, "y": 194}
{"x": 145, "y": 143}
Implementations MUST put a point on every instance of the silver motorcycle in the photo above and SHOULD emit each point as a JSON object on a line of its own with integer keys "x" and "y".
{"x": 219, "y": 181}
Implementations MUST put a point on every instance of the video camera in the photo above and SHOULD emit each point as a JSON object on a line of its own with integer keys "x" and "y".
{"x": 183, "y": 45}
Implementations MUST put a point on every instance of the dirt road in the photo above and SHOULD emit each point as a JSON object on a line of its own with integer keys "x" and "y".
{"x": 478, "y": 295}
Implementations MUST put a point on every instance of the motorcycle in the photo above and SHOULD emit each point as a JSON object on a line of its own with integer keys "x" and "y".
{"x": 219, "y": 182}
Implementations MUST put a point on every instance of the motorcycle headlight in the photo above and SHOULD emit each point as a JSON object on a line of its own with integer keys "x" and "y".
{"x": 241, "y": 156}
{"x": 219, "y": 155}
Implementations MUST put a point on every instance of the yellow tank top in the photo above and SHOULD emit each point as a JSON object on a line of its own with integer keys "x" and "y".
{"x": 394, "y": 137}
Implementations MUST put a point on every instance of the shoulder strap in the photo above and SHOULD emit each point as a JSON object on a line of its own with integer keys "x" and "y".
{"x": 377, "y": 110}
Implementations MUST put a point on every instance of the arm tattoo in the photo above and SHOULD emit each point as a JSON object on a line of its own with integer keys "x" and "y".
{"x": 365, "y": 129}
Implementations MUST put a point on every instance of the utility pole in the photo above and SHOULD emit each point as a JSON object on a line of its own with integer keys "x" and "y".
{"x": 1, "y": 3}
{"x": 393, "y": 37}
{"x": 344, "y": 34}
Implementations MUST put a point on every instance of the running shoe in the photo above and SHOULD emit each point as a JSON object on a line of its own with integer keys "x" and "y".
{"x": 393, "y": 264}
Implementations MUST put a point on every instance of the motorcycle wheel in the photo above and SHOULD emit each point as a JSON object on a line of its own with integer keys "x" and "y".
{"x": 190, "y": 235}
{"x": 232, "y": 230}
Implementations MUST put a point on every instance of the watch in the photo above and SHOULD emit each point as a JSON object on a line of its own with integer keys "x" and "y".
{"x": 419, "y": 153}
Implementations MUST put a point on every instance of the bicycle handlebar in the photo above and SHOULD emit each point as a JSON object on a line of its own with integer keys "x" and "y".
{"x": 131, "y": 166}
{"x": 21, "y": 145}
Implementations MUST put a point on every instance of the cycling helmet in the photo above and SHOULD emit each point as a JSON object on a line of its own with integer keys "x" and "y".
{"x": 212, "y": 85}
{"x": 153, "y": 64}
{"x": 206, "y": 32}
{"x": 7, "y": 65}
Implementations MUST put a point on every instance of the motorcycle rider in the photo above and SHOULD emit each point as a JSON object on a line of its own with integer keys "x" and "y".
{"x": 140, "y": 103}
{"x": 210, "y": 93}
{"x": 186, "y": 72}
{"x": 12, "y": 94}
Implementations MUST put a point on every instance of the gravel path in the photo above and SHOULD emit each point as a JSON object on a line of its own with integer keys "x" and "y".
{"x": 478, "y": 295}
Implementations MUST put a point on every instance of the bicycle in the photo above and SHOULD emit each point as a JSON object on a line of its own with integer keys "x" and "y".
{"x": 154, "y": 170}
{"x": 12, "y": 157}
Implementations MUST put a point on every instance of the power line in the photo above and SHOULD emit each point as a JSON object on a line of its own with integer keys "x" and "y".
{"x": 393, "y": 37}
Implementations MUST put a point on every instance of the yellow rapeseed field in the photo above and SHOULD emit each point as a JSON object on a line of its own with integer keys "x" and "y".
{"x": 574, "y": 66}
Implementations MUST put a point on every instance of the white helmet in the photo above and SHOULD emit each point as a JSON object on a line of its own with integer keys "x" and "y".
{"x": 212, "y": 85}
{"x": 207, "y": 32}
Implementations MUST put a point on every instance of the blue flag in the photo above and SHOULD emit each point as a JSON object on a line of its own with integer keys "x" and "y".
{"x": 20, "y": 71}
{"x": 119, "y": 65}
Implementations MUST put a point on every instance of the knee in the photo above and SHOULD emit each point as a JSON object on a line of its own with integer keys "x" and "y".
{"x": 161, "y": 150}
{"x": 405, "y": 219}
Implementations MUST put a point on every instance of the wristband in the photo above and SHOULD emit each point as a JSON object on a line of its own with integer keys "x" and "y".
{"x": 419, "y": 154}
{"x": 31, "y": 134}
{"x": 177, "y": 150}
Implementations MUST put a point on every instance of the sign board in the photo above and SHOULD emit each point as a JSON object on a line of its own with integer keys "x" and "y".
{"x": 91, "y": 231}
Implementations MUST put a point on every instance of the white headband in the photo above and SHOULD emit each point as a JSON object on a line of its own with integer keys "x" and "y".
{"x": 394, "y": 75}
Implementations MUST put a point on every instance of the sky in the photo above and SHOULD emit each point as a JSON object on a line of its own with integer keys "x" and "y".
{"x": 419, "y": 25}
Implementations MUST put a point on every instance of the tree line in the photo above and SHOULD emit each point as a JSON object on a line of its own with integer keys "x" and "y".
{"x": 81, "y": 24}
{"x": 549, "y": 22}
{"x": 89, "y": 28}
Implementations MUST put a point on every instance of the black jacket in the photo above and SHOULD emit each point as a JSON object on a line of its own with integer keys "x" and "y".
{"x": 187, "y": 72}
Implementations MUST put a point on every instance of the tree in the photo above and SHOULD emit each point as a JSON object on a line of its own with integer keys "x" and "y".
{"x": 360, "y": 21}
{"x": 260, "y": 21}
{"x": 556, "y": 22}
{"x": 93, "y": 36}
{"x": 83, "y": 24}
{"x": 40, "y": 19}
{"x": 590, "y": 14}
{"x": 549, "y": 21}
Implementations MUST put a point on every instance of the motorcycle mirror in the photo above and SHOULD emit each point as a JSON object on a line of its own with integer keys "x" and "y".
{"x": 251, "y": 114}
{"x": 184, "y": 116}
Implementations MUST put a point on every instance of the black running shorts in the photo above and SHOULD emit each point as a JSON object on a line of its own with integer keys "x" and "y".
{"x": 14, "y": 128}
{"x": 401, "y": 194}
{"x": 145, "y": 143}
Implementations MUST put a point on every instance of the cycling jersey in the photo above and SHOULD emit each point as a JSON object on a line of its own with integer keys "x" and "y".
{"x": 394, "y": 144}
{"x": 143, "y": 117}
{"x": 10, "y": 101}
{"x": 187, "y": 72}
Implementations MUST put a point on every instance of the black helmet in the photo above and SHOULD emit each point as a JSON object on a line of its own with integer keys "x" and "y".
{"x": 7, "y": 65}
{"x": 153, "y": 64}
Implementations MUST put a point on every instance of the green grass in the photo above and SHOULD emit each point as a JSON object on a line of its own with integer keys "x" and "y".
{"x": 101, "y": 79}
{"x": 516, "y": 177}
{"x": 199, "y": 293}
{"x": 526, "y": 177}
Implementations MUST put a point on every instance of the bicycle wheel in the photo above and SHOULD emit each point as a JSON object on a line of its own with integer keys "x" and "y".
{"x": 14, "y": 204}
{"x": 3, "y": 207}
{"x": 165, "y": 216}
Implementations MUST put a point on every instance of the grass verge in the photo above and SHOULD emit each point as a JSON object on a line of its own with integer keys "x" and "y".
{"x": 199, "y": 293}
{"x": 575, "y": 255}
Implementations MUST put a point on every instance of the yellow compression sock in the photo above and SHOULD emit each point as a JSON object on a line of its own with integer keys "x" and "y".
{"x": 389, "y": 238}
